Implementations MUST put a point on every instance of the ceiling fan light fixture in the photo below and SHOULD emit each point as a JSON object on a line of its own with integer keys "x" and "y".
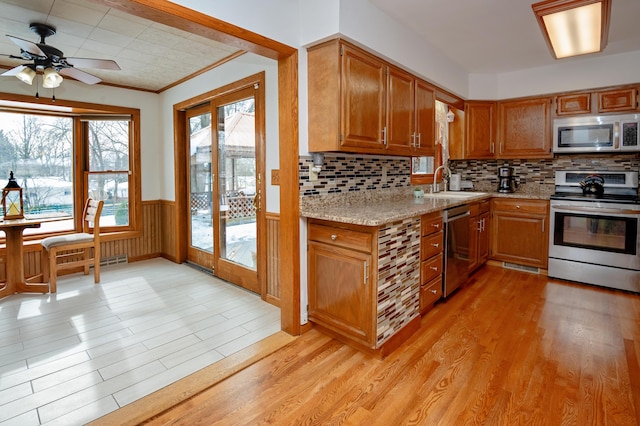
{"x": 574, "y": 27}
{"x": 26, "y": 75}
{"x": 51, "y": 79}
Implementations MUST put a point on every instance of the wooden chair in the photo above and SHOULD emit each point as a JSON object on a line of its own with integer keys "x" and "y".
{"x": 74, "y": 250}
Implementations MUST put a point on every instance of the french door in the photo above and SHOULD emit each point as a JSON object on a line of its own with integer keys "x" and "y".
{"x": 226, "y": 170}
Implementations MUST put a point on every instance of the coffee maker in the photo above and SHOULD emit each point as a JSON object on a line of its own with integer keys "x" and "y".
{"x": 506, "y": 179}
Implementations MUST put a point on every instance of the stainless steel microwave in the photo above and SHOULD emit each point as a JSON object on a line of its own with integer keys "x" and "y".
{"x": 602, "y": 133}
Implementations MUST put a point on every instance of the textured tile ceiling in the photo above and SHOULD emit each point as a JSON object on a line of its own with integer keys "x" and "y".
{"x": 151, "y": 56}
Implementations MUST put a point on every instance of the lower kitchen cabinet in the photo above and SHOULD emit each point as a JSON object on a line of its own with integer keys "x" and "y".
{"x": 340, "y": 269}
{"x": 519, "y": 231}
{"x": 431, "y": 260}
{"x": 364, "y": 283}
{"x": 479, "y": 234}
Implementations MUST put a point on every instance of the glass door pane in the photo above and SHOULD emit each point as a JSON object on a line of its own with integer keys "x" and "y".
{"x": 237, "y": 182}
{"x": 200, "y": 180}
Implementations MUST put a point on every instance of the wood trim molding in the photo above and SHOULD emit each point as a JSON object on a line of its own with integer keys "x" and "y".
{"x": 177, "y": 16}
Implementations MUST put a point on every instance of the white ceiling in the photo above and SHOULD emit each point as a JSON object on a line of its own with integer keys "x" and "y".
{"x": 482, "y": 36}
{"x": 151, "y": 55}
{"x": 498, "y": 36}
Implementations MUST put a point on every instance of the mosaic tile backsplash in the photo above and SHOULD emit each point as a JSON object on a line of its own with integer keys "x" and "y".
{"x": 342, "y": 174}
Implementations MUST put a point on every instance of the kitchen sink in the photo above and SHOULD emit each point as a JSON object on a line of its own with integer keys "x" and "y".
{"x": 455, "y": 194}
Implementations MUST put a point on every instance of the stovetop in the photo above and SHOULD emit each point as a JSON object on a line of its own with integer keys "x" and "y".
{"x": 620, "y": 187}
{"x": 604, "y": 198}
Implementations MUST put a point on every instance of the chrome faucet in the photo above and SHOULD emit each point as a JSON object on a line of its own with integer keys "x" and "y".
{"x": 444, "y": 169}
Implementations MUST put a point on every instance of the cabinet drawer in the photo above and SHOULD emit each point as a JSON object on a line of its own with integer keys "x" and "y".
{"x": 431, "y": 224}
{"x": 430, "y": 293}
{"x": 485, "y": 206}
{"x": 431, "y": 245}
{"x": 341, "y": 237}
{"x": 430, "y": 269}
{"x": 521, "y": 205}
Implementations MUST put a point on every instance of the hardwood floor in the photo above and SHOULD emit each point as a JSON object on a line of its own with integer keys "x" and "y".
{"x": 71, "y": 357}
{"x": 510, "y": 348}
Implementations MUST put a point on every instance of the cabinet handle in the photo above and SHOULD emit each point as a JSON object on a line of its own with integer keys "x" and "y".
{"x": 334, "y": 237}
{"x": 436, "y": 245}
{"x": 384, "y": 136}
{"x": 366, "y": 272}
{"x": 543, "y": 225}
{"x": 518, "y": 206}
{"x": 492, "y": 148}
{"x": 501, "y": 143}
{"x": 434, "y": 291}
{"x": 435, "y": 268}
{"x": 419, "y": 140}
{"x": 436, "y": 225}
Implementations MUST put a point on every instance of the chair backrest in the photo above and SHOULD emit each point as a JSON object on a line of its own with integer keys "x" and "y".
{"x": 91, "y": 214}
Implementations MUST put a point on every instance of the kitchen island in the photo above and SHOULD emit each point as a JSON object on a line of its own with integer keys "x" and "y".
{"x": 364, "y": 263}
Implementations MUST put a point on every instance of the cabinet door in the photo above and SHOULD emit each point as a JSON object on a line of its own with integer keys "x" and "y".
{"x": 340, "y": 291}
{"x": 519, "y": 238}
{"x": 425, "y": 119}
{"x": 575, "y": 104}
{"x": 483, "y": 237}
{"x": 617, "y": 100}
{"x": 525, "y": 129}
{"x": 480, "y": 135}
{"x": 362, "y": 100}
{"x": 474, "y": 230}
{"x": 400, "y": 111}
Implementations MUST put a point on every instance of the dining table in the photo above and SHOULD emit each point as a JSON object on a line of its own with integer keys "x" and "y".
{"x": 14, "y": 258}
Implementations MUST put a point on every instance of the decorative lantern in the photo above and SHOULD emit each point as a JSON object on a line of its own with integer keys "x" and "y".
{"x": 12, "y": 206}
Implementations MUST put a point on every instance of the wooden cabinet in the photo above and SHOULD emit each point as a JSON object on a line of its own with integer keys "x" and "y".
{"x": 346, "y": 88}
{"x": 519, "y": 231}
{"x": 525, "y": 128}
{"x": 431, "y": 260}
{"x": 620, "y": 100}
{"x": 359, "y": 103}
{"x": 425, "y": 106}
{"x": 479, "y": 234}
{"x": 481, "y": 129}
{"x": 341, "y": 296}
{"x": 400, "y": 110}
{"x": 511, "y": 129}
{"x": 573, "y": 104}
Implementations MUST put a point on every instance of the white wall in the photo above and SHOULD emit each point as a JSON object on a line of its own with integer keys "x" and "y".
{"x": 147, "y": 103}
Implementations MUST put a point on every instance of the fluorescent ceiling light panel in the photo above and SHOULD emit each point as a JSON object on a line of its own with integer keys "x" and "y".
{"x": 574, "y": 27}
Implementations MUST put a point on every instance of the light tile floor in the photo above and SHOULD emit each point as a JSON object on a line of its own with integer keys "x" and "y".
{"x": 71, "y": 357}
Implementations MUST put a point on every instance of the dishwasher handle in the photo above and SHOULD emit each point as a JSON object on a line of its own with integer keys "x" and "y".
{"x": 456, "y": 213}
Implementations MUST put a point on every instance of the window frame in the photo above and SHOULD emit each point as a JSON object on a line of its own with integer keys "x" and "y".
{"x": 79, "y": 112}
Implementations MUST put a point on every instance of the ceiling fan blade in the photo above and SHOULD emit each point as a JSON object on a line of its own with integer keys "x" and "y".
{"x": 104, "y": 64}
{"x": 28, "y": 46}
{"x": 80, "y": 75}
{"x": 14, "y": 71}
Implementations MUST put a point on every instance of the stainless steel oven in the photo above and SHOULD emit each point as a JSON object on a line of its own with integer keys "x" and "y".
{"x": 594, "y": 238}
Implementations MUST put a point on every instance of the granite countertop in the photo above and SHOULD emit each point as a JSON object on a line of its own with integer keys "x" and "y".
{"x": 377, "y": 211}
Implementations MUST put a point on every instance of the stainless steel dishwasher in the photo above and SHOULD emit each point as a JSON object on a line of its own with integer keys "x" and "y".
{"x": 456, "y": 259}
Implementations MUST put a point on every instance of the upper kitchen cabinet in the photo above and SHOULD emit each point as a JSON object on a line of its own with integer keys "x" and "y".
{"x": 508, "y": 129}
{"x": 620, "y": 100}
{"x": 573, "y": 104}
{"x": 481, "y": 129}
{"x": 424, "y": 138}
{"x": 347, "y": 89}
{"x": 525, "y": 129}
{"x": 359, "y": 103}
{"x": 614, "y": 100}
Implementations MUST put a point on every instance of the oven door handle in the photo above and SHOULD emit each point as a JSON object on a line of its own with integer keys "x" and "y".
{"x": 595, "y": 210}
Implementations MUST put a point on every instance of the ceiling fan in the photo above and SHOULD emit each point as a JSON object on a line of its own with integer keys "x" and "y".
{"x": 51, "y": 62}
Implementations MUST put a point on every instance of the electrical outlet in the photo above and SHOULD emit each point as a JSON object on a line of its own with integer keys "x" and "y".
{"x": 313, "y": 175}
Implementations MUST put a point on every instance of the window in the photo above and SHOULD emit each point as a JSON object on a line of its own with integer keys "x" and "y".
{"x": 61, "y": 157}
